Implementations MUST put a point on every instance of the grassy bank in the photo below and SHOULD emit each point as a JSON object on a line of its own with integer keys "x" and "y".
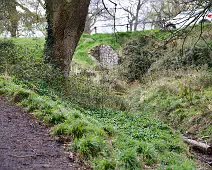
{"x": 182, "y": 100}
{"x": 106, "y": 139}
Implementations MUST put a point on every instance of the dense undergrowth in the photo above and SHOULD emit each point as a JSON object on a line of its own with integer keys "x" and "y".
{"x": 114, "y": 118}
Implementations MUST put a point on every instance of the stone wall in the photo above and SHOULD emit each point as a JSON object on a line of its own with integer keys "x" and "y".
{"x": 105, "y": 56}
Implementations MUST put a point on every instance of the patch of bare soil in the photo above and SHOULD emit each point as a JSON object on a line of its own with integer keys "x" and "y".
{"x": 27, "y": 145}
{"x": 205, "y": 159}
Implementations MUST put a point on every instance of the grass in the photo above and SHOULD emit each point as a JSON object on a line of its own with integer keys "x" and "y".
{"x": 106, "y": 139}
{"x": 87, "y": 42}
{"x": 183, "y": 103}
{"x": 29, "y": 42}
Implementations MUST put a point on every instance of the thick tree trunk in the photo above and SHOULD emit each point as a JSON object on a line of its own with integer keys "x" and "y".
{"x": 66, "y": 22}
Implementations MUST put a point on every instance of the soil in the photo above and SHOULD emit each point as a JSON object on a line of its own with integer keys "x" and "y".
{"x": 205, "y": 159}
{"x": 25, "y": 144}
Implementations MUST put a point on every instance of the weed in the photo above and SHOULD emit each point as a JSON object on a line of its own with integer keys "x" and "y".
{"x": 148, "y": 153}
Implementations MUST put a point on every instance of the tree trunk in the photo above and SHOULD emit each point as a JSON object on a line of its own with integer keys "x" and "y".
{"x": 137, "y": 15}
{"x": 87, "y": 29}
{"x": 13, "y": 17}
{"x": 14, "y": 28}
{"x": 66, "y": 22}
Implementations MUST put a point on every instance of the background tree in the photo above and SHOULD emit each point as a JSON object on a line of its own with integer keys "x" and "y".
{"x": 162, "y": 10}
{"x": 66, "y": 22}
{"x": 96, "y": 10}
{"x": 133, "y": 9}
{"x": 16, "y": 14}
{"x": 32, "y": 16}
{"x": 9, "y": 16}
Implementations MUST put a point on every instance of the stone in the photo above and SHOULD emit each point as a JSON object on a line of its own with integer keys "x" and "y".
{"x": 105, "y": 56}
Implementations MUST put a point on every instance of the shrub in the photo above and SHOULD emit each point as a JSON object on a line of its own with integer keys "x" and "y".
{"x": 10, "y": 56}
{"x": 137, "y": 57}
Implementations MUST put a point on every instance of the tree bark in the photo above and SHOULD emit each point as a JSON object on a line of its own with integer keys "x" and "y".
{"x": 66, "y": 22}
{"x": 199, "y": 145}
{"x": 13, "y": 16}
{"x": 88, "y": 23}
{"x": 137, "y": 15}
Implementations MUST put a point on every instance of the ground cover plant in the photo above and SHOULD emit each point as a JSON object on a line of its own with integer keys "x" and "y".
{"x": 106, "y": 139}
{"x": 184, "y": 103}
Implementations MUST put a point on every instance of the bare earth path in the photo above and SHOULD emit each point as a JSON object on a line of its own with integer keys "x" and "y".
{"x": 27, "y": 145}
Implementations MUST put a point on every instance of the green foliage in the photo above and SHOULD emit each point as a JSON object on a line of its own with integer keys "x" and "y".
{"x": 104, "y": 164}
{"x": 107, "y": 139}
{"x": 78, "y": 128}
{"x": 87, "y": 42}
{"x": 138, "y": 57}
{"x": 148, "y": 151}
{"x": 90, "y": 146}
{"x": 26, "y": 63}
{"x": 54, "y": 119}
{"x": 9, "y": 55}
{"x": 129, "y": 159}
{"x": 184, "y": 103}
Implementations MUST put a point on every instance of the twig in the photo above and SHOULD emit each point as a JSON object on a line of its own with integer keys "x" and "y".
{"x": 25, "y": 156}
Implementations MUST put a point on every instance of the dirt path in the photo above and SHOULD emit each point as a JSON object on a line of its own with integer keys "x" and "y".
{"x": 27, "y": 145}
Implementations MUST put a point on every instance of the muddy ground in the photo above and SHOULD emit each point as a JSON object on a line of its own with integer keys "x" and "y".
{"x": 25, "y": 144}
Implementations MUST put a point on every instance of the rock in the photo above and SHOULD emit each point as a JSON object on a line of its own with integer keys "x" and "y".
{"x": 105, "y": 56}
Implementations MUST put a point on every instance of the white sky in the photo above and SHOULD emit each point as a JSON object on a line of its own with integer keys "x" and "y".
{"x": 121, "y": 17}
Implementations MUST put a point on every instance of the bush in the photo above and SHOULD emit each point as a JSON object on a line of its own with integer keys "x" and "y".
{"x": 27, "y": 65}
{"x": 9, "y": 56}
{"x": 138, "y": 55}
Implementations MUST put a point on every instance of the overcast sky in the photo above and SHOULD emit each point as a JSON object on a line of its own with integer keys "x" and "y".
{"x": 103, "y": 25}
{"x": 121, "y": 17}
